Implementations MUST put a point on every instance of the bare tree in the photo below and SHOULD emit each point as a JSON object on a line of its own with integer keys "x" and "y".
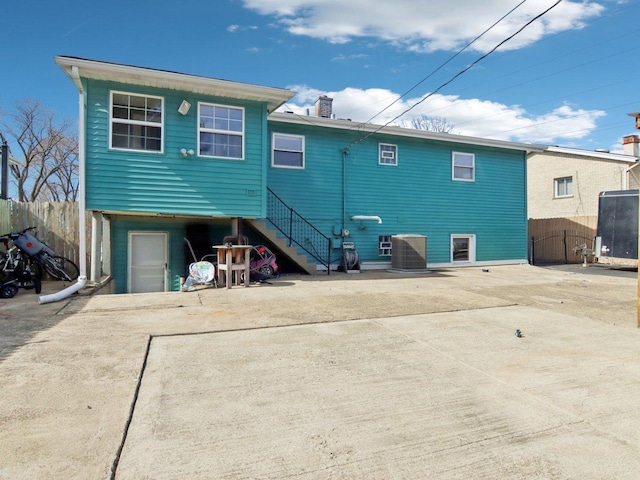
{"x": 49, "y": 148}
{"x": 431, "y": 124}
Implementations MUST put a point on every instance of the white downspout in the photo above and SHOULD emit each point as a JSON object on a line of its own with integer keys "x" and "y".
{"x": 82, "y": 278}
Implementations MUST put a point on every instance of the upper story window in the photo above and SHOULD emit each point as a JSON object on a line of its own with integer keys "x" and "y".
{"x": 563, "y": 187}
{"x": 221, "y": 131}
{"x": 288, "y": 151}
{"x": 136, "y": 122}
{"x": 463, "y": 166}
{"x": 387, "y": 154}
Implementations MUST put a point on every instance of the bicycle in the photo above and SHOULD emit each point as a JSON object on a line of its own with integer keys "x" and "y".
{"x": 59, "y": 267}
{"x": 17, "y": 271}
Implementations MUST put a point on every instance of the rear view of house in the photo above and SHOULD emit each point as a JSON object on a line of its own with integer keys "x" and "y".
{"x": 166, "y": 156}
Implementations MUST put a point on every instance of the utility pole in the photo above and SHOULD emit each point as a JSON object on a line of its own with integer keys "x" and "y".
{"x": 4, "y": 191}
{"x": 637, "y": 117}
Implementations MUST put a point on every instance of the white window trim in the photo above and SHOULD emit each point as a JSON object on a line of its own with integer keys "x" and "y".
{"x": 225, "y": 132}
{"x": 472, "y": 168}
{"x": 135, "y": 122}
{"x": 381, "y": 155}
{"x": 273, "y": 151}
{"x": 472, "y": 248}
{"x": 556, "y": 184}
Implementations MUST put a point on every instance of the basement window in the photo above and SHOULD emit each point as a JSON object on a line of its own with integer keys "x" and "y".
{"x": 463, "y": 248}
{"x": 384, "y": 245}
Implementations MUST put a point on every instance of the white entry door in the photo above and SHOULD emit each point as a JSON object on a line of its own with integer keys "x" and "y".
{"x": 147, "y": 262}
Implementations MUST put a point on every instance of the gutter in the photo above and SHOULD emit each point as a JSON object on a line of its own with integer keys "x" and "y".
{"x": 404, "y": 132}
{"x": 82, "y": 278}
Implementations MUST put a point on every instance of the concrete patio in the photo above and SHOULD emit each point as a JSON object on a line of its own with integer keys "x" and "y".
{"x": 377, "y": 375}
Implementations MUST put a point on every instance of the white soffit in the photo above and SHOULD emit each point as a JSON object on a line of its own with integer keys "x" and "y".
{"x": 113, "y": 72}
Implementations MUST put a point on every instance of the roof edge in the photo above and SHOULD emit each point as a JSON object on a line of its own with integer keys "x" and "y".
{"x": 402, "y": 131}
{"x": 620, "y": 157}
{"x": 99, "y": 70}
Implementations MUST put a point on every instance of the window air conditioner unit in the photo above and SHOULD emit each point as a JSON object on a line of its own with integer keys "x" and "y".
{"x": 408, "y": 252}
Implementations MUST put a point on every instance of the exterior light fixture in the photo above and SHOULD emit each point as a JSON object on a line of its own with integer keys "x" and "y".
{"x": 184, "y": 107}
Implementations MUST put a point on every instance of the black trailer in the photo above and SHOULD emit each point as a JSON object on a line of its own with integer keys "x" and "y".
{"x": 617, "y": 234}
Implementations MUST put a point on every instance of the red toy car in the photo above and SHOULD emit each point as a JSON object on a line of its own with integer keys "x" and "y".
{"x": 262, "y": 260}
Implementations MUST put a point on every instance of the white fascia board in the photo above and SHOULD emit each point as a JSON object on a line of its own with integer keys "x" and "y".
{"x": 618, "y": 157}
{"x": 400, "y": 131}
{"x": 92, "y": 69}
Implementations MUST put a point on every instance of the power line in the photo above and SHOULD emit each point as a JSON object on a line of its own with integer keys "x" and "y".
{"x": 459, "y": 73}
{"x": 446, "y": 62}
{"x": 361, "y": 124}
{"x": 560, "y": 120}
{"x": 548, "y": 75}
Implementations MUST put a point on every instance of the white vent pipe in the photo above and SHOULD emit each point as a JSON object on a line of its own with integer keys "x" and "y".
{"x": 367, "y": 217}
{"x": 82, "y": 279}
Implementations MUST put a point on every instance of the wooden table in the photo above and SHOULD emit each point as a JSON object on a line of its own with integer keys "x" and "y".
{"x": 233, "y": 258}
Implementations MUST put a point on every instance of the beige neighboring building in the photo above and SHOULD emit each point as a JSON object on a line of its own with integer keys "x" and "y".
{"x": 566, "y": 182}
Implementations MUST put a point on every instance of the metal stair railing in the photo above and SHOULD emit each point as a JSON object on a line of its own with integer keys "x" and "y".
{"x": 297, "y": 230}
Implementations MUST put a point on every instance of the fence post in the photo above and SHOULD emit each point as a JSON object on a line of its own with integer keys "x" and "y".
{"x": 532, "y": 255}
{"x": 564, "y": 243}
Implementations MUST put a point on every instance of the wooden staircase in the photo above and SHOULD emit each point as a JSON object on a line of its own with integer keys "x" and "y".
{"x": 283, "y": 245}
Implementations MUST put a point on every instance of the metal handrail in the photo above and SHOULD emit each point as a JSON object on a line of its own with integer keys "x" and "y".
{"x": 298, "y": 230}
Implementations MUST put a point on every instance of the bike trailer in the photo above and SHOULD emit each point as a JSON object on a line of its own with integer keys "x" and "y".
{"x": 29, "y": 244}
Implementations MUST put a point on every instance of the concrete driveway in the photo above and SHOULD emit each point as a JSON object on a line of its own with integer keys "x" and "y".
{"x": 374, "y": 376}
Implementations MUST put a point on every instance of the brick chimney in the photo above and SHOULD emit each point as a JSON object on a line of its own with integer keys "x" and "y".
{"x": 323, "y": 106}
{"x": 631, "y": 145}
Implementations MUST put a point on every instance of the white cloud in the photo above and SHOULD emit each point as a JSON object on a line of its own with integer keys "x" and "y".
{"x": 342, "y": 57}
{"x": 235, "y": 28}
{"x": 426, "y": 26}
{"x": 470, "y": 116}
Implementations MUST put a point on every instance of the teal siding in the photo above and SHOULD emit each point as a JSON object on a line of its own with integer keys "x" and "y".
{"x": 179, "y": 254}
{"x": 417, "y": 196}
{"x": 120, "y": 247}
{"x": 168, "y": 183}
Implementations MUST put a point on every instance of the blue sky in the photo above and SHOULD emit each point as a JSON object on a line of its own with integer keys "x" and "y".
{"x": 569, "y": 79}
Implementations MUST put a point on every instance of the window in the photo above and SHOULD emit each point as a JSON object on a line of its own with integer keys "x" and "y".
{"x": 288, "y": 151}
{"x": 463, "y": 248}
{"x": 563, "y": 187}
{"x": 384, "y": 245}
{"x": 221, "y": 131}
{"x": 463, "y": 166}
{"x": 387, "y": 154}
{"x": 136, "y": 122}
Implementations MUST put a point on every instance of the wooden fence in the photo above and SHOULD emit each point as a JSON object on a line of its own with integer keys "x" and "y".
{"x": 56, "y": 224}
{"x": 553, "y": 240}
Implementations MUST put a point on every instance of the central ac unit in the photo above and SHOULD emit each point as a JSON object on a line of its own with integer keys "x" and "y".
{"x": 408, "y": 252}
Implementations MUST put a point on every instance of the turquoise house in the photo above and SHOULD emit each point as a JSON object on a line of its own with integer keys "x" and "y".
{"x": 166, "y": 156}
